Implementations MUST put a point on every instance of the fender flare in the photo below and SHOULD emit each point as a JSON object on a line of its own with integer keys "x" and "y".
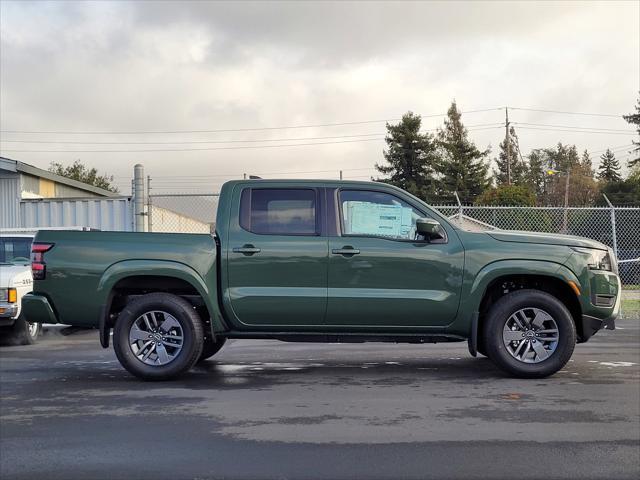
{"x": 157, "y": 268}
{"x": 470, "y": 307}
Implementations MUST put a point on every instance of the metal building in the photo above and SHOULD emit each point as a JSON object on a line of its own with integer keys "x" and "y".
{"x": 21, "y": 182}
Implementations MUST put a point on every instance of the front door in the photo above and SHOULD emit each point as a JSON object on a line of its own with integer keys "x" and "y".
{"x": 277, "y": 257}
{"x": 381, "y": 273}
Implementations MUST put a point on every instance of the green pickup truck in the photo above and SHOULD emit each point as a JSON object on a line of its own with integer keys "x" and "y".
{"x": 326, "y": 261}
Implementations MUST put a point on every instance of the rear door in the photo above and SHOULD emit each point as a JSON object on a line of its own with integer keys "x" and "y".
{"x": 381, "y": 274}
{"x": 277, "y": 255}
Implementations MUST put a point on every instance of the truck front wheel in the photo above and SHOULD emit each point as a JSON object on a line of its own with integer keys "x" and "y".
{"x": 23, "y": 332}
{"x": 529, "y": 334}
{"x": 158, "y": 336}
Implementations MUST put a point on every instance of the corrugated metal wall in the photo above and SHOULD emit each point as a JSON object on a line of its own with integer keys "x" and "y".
{"x": 9, "y": 201}
{"x": 113, "y": 214}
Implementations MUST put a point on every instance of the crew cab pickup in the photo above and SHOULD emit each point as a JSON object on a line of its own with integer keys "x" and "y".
{"x": 326, "y": 261}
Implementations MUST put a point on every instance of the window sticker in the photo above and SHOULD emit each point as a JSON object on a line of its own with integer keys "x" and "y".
{"x": 367, "y": 218}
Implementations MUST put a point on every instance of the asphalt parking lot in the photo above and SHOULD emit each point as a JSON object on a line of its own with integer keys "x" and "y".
{"x": 263, "y": 409}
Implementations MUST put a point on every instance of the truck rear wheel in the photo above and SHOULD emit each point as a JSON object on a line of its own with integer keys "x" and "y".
{"x": 210, "y": 348}
{"x": 529, "y": 334}
{"x": 158, "y": 336}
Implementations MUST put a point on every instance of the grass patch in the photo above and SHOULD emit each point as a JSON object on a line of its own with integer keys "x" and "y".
{"x": 630, "y": 305}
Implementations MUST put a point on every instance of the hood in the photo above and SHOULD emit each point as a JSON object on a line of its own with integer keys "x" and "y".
{"x": 14, "y": 275}
{"x": 546, "y": 238}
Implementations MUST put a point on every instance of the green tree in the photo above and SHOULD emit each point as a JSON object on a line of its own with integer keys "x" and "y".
{"x": 410, "y": 157}
{"x": 609, "y": 168}
{"x": 634, "y": 119}
{"x": 508, "y": 195}
{"x": 78, "y": 171}
{"x": 518, "y": 167}
{"x": 557, "y": 162}
{"x": 462, "y": 167}
{"x": 625, "y": 192}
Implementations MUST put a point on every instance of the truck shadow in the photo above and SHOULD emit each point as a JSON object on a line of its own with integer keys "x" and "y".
{"x": 217, "y": 374}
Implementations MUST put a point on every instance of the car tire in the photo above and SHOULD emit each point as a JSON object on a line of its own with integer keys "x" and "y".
{"x": 24, "y": 333}
{"x": 210, "y": 348}
{"x": 519, "y": 334}
{"x": 170, "y": 328}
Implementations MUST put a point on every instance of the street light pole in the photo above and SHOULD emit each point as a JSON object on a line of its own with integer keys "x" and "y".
{"x": 565, "y": 226}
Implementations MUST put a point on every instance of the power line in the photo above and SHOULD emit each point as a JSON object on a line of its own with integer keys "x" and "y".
{"x": 480, "y": 127}
{"x": 575, "y": 127}
{"x": 253, "y": 129}
{"x": 195, "y": 149}
{"x": 568, "y": 113}
{"x": 575, "y": 131}
{"x": 189, "y": 142}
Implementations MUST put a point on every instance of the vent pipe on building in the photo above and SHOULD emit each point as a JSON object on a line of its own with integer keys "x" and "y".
{"x": 138, "y": 197}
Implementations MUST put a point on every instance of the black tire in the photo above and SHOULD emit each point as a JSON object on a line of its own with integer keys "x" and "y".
{"x": 210, "y": 348}
{"x": 500, "y": 313}
{"x": 21, "y": 334}
{"x": 191, "y": 326}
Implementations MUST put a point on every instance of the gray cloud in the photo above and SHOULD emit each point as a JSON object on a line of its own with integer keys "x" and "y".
{"x": 206, "y": 65}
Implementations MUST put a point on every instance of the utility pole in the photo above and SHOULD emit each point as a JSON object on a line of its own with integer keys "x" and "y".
{"x": 508, "y": 143}
{"x": 340, "y": 174}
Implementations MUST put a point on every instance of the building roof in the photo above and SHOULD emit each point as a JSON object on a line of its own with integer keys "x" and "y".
{"x": 19, "y": 167}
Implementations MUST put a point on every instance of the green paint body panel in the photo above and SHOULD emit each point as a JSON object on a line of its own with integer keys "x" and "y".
{"x": 295, "y": 284}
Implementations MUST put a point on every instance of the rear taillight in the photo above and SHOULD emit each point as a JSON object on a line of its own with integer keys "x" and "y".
{"x": 38, "y": 267}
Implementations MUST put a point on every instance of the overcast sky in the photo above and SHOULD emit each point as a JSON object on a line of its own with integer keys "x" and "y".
{"x": 180, "y": 66}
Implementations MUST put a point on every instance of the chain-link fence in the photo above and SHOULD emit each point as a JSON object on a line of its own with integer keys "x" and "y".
{"x": 617, "y": 227}
{"x": 182, "y": 213}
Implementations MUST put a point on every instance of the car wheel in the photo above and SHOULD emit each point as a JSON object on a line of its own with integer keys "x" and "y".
{"x": 529, "y": 334}
{"x": 24, "y": 333}
{"x": 210, "y": 348}
{"x": 158, "y": 336}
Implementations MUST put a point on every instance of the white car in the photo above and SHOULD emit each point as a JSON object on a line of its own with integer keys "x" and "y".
{"x": 16, "y": 281}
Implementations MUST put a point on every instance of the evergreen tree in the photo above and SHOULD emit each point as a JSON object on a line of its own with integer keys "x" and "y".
{"x": 586, "y": 163}
{"x": 536, "y": 177}
{"x": 518, "y": 167}
{"x": 411, "y": 157}
{"x": 462, "y": 167}
{"x": 609, "y": 167}
{"x": 634, "y": 119}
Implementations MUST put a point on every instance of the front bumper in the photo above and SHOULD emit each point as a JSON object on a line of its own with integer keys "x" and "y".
{"x": 37, "y": 309}
{"x": 8, "y": 311}
{"x": 591, "y": 325}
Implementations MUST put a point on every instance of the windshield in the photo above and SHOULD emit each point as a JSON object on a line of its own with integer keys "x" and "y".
{"x": 15, "y": 250}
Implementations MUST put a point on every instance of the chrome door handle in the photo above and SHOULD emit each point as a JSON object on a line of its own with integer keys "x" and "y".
{"x": 345, "y": 251}
{"x": 246, "y": 250}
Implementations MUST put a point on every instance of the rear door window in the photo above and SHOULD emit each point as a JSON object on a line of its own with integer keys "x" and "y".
{"x": 279, "y": 211}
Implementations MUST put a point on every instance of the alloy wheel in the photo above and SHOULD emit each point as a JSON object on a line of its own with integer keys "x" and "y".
{"x": 156, "y": 338}
{"x": 530, "y": 335}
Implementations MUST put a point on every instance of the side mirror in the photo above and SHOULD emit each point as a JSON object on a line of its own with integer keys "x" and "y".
{"x": 430, "y": 228}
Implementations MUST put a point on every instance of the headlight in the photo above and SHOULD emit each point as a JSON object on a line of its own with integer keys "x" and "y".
{"x": 4, "y": 294}
{"x": 598, "y": 259}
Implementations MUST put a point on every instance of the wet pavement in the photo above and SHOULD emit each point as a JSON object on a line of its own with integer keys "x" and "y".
{"x": 265, "y": 409}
